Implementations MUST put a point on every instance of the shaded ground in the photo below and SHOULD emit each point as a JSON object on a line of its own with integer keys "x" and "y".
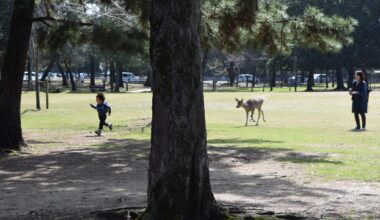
{"x": 70, "y": 181}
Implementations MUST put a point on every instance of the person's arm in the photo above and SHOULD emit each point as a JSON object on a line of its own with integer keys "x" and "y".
{"x": 354, "y": 90}
{"x": 93, "y": 106}
{"x": 108, "y": 107}
{"x": 109, "y": 110}
{"x": 361, "y": 89}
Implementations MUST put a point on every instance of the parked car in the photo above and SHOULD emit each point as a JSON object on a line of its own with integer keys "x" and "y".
{"x": 249, "y": 77}
{"x": 320, "y": 78}
{"x": 131, "y": 78}
{"x": 33, "y": 76}
{"x": 53, "y": 76}
{"x": 292, "y": 80}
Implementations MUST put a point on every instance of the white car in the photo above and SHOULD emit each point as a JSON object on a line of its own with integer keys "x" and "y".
{"x": 25, "y": 78}
{"x": 129, "y": 77}
{"x": 249, "y": 77}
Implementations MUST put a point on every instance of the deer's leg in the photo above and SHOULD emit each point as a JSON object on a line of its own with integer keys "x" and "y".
{"x": 253, "y": 112}
{"x": 246, "y": 121}
{"x": 258, "y": 119}
{"x": 262, "y": 112}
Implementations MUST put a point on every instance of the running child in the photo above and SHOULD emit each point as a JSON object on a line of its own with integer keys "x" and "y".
{"x": 103, "y": 109}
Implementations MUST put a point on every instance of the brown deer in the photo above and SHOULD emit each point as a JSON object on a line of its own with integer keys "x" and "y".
{"x": 250, "y": 106}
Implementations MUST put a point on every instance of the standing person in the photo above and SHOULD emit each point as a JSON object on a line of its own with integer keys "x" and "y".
{"x": 103, "y": 109}
{"x": 359, "y": 93}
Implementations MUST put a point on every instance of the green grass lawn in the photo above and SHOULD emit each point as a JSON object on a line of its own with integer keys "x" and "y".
{"x": 306, "y": 123}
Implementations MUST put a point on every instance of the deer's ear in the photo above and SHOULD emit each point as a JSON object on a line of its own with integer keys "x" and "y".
{"x": 242, "y": 100}
{"x": 237, "y": 100}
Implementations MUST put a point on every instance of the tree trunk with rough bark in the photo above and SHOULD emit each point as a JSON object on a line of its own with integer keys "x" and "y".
{"x": 29, "y": 69}
{"x": 49, "y": 67}
{"x": 232, "y": 73}
{"x": 339, "y": 79}
{"x": 119, "y": 76}
{"x": 112, "y": 75}
{"x": 12, "y": 74}
{"x": 273, "y": 80}
{"x": 179, "y": 183}
{"x": 310, "y": 81}
{"x": 70, "y": 73}
{"x": 64, "y": 78}
{"x": 351, "y": 75}
{"x": 92, "y": 70}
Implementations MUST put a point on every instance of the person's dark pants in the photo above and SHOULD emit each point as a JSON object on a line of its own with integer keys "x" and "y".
{"x": 357, "y": 119}
{"x": 102, "y": 121}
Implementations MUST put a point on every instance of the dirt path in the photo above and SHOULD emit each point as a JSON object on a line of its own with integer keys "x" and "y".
{"x": 68, "y": 179}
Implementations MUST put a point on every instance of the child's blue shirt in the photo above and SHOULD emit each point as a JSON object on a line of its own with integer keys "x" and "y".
{"x": 103, "y": 108}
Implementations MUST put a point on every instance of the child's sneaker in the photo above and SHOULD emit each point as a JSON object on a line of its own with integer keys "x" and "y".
{"x": 364, "y": 129}
{"x": 110, "y": 126}
{"x": 98, "y": 132}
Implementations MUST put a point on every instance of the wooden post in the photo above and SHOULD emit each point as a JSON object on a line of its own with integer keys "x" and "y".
{"x": 295, "y": 73}
{"x": 47, "y": 94}
{"x": 38, "y": 104}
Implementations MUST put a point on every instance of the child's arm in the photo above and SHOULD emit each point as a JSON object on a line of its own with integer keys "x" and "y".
{"x": 93, "y": 106}
{"x": 109, "y": 110}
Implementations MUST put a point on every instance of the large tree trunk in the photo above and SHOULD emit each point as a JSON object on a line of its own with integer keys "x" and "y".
{"x": 272, "y": 80}
{"x": 106, "y": 68}
{"x": 232, "y": 73}
{"x": 205, "y": 61}
{"x": 179, "y": 183}
{"x": 112, "y": 74}
{"x": 12, "y": 74}
{"x": 339, "y": 79}
{"x": 351, "y": 75}
{"x": 253, "y": 78}
{"x": 29, "y": 68}
{"x": 303, "y": 76}
{"x": 92, "y": 70}
{"x": 119, "y": 67}
{"x": 310, "y": 81}
{"x": 119, "y": 76}
{"x": 70, "y": 73}
{"x": 327, "y": 78}
{"x": 64, "y": 78}
{"x": 49, "y": 67}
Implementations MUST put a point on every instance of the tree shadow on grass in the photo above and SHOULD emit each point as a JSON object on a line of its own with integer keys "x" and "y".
{"x": 74, "y": 181}
{"x": 31, "y": 141}
{"x": 114, "y": 174}
{"x": 242, "y": 141}
{"x": 236, "y": 180}
{"x": 302, "y": 158}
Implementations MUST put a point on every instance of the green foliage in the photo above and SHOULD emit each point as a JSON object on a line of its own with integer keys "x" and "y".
{"x": 268, "y": 27}
{"x": 316, "y": 30}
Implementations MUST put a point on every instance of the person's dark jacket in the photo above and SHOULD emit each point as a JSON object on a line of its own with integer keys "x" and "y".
{"x": 360, "y": 100}
{"x": 102, "y": 109}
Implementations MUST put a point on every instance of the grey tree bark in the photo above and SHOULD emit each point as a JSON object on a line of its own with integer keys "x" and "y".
{"x": 12, "y": 74}
{"x": 63, "y": 74}
{"x": 179, "y": 183}
{"x": 310, "y": 81}
{"x": 339, "y": 79}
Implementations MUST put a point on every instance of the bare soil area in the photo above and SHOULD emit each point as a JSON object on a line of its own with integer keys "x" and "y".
{"x": 69, "y": 179}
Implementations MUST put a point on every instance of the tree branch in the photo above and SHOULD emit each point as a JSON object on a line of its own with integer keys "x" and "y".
{"x": 49, "y": 18}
